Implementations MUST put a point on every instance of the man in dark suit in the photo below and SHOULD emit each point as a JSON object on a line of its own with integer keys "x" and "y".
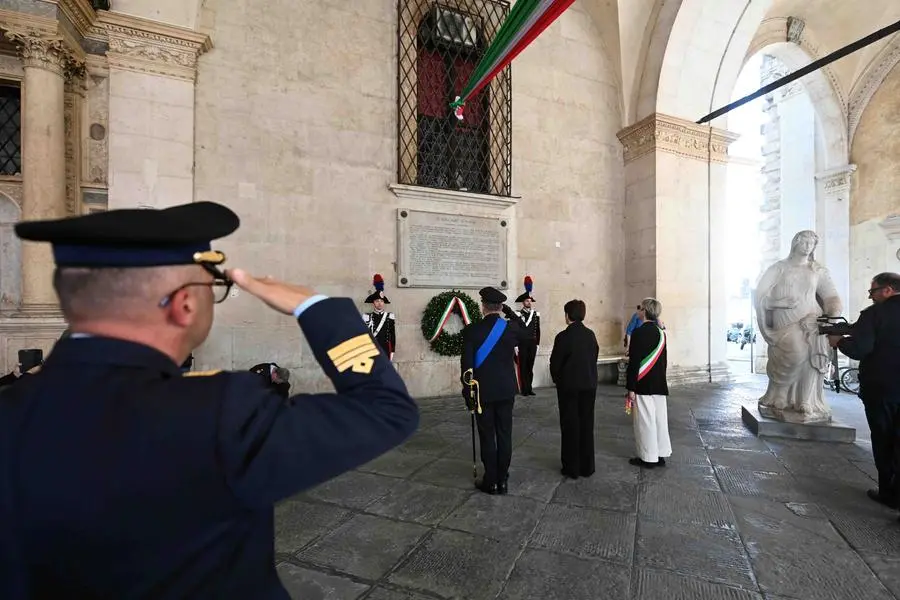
{"x": 489, "y": 348}
{"x": 875, "y": 342}
{"x": 121, "y": 476}
{"x": 573, "y": 368}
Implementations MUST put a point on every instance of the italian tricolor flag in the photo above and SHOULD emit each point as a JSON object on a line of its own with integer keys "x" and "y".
{"x": 525, "y": 22}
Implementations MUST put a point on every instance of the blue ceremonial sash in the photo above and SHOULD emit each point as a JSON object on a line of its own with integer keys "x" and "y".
{"x": 490, "y": 342}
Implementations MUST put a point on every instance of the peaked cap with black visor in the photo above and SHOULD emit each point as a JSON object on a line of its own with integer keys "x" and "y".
{"x": 136, "y": 237}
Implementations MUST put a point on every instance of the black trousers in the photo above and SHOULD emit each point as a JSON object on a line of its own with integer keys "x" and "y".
{"x": 576, "y": 422}
{"x": 495, "y": 439}
{"x": 527, "y": 354}
{"x": 884, "y": 423}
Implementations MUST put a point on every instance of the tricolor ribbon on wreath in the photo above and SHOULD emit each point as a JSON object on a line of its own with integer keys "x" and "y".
{"x": 445, "y": 316}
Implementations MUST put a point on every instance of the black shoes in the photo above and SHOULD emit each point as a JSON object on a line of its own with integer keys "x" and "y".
{"x": 637, "y": 462}
{"x": 490, "y": 489}
{"x": 494, "y": 488}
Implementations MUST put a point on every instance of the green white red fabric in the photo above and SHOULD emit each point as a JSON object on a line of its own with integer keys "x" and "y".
{"x": 525, "y": 22}
{"x": 651, "y": 359}
{"x": 442, "y": 322}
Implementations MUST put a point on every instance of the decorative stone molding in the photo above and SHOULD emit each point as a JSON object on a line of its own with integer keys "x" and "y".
{"x": 80, "y": 13}
{"x": 777, "y": 30}
{"x": 868, "y": 84}
{"x": 795, "y": 29}
{"x": 145, "y": 46}
{"x": 675, "y": 136}
{"x": 836, "y": 182}
{"x": 39, "y": 49}
{"x": 414, "y": 192}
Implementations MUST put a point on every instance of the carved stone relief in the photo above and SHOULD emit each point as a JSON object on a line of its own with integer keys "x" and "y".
{"x": 97, "y": 146}
{"x": 675, "y": 136}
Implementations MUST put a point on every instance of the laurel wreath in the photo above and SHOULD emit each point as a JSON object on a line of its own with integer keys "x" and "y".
{"x": 437, "y": 313}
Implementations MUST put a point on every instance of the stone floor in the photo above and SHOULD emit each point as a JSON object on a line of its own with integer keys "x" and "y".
{"x": 731, "y": 517}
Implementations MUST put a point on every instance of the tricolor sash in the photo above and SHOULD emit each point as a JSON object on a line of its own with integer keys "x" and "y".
{"x": 651, "y": 359}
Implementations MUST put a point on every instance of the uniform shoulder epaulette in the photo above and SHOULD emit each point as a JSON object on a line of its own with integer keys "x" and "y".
{"x": 537, "y": 314}
{"x": 201, "y": 373}
{"x": 391, "y": 316}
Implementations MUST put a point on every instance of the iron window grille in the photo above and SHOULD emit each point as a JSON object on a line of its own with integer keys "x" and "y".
{"x": 441, "y": 42}
{"x": 10, "y": 130}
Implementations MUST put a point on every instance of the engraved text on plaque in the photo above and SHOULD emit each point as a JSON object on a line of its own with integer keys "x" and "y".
{"x": 440, "y": 250}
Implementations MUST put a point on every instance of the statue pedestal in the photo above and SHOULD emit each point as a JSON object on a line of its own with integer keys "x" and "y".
{"x": 761, "y": 426}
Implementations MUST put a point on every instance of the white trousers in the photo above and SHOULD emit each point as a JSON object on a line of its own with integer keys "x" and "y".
{"x": 651, "y": 428}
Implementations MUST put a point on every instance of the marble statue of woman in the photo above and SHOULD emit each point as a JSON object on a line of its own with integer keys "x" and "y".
{"x": 790, "y": 295}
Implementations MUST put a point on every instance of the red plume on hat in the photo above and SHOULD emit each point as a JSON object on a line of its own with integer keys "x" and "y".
{"x": 529, "y": 285}
{"x": 378, "y": 283}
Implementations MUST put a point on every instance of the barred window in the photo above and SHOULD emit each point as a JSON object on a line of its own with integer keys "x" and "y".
{"x": 441, "y": 42}
{"x": 10, "y": 130}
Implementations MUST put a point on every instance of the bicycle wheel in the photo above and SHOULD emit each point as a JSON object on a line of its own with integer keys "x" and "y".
{"x": 850, "y": 379}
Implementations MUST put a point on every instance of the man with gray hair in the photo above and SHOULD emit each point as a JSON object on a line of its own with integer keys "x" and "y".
{"x": 875, "y": 343}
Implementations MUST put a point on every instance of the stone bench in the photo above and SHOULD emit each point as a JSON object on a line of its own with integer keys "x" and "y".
{"x": 611, "y": 369}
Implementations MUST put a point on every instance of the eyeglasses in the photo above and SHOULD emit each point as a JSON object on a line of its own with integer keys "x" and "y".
{"x": 221, "y": 287}
{"x": 876, "y": 289}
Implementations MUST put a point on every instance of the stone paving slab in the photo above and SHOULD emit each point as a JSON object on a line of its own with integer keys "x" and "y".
{"x": 542, "y": 575}
{"x": 712, "y": 554}
{"x": 365, "y": 546}
{"x": 663, "y": 585}
{"x": 730, "y": 517}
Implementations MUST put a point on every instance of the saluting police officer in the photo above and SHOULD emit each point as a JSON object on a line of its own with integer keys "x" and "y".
{"x": 121, "y": 477}
{"x": 489, "y": 350}
{"x": 531, "y": 321}
{"x": 380, "y": 322}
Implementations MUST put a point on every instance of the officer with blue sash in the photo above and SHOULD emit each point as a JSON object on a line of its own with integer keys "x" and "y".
{"x": 488, "y": 357}
{"x": 121, "y": 476}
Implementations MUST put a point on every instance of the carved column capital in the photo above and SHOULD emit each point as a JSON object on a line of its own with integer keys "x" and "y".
{"x": 837, "y": 181}
{"x": 672, "y": 135}
{"x": 146, "y": 46}
{"x": 39, "y": 49}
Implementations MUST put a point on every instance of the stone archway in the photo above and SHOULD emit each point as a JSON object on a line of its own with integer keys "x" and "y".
{"x": 10, "y": 253}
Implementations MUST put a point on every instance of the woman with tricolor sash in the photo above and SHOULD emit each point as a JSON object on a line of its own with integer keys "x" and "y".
{"x": 648, "y": 389}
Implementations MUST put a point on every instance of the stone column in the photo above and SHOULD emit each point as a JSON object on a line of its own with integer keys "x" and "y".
{"x": 152, "y": 74}
{"x": 833, "y": 226}
{"x": 675, "y": 188}
{"x": 45, "y": 59}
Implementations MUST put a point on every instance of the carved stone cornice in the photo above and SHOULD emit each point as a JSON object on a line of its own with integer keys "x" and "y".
{"x": 837, "y": 181}
{"x": 672, "y": 135}
{"x": 145, "y": 46}
{"x": 80, "y": 13}
{"x": 868, "y": 84}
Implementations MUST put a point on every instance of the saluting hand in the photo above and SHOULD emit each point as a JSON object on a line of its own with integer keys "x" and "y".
{"x": 283, "y": 297}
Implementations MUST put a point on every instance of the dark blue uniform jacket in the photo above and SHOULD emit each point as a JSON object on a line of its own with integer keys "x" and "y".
{"x": 122, "y": 479}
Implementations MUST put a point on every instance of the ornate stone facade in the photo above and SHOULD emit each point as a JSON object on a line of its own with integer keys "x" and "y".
{"x": 675, "y": 136}
{"x": 148, "y": 47}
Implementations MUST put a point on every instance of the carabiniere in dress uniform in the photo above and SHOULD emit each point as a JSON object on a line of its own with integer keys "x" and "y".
{"x": 380, "y": 322}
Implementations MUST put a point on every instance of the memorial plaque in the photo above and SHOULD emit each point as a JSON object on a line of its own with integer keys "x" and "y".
{"x": 438, "y": 250}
